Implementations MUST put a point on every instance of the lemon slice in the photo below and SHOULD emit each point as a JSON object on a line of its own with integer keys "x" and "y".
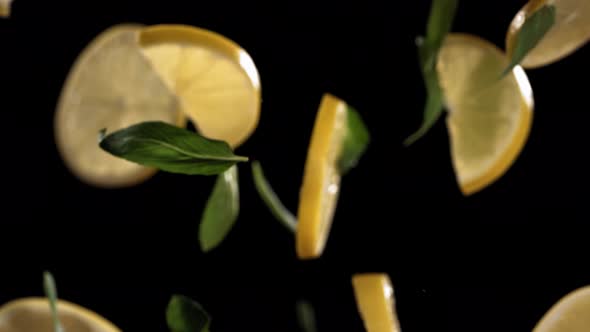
{"x": 321, "y": 180}
{"x": 5, "y": 8}
{"x": 570, "y": 314}
{"x": 34, "y": 314}
{"x": 111, "y": 85}
{"x": 489, "y": 118}
{"x": 570, "y": 31}
{"x": 215, "y": 80}
{"x": 376, "y": 302}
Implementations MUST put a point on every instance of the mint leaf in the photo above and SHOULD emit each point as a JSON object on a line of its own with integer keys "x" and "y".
{"x": 271, "y": 199}
{"x": 306, "y": 316}
{"x": 355, "y": 142}
{"x": 532, "y": 31}
{"x": 440, "y": 21}
{"x": 170, "y": 148}
{"x": 221, "y": 211}
{"x": 186, "y": 315}
{"x": 51, "y": 294}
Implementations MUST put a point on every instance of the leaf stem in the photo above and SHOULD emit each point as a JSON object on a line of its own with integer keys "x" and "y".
{"x": 51, "y": 293}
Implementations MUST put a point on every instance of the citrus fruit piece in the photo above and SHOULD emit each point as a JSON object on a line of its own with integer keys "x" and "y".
{"x": 215, "y": 80}
{"x": 570, "y": 314}
{"x": 34, "y": 314}
{"x": 5, "y": 8}
{"x": 318, "y": 196}
{"x": 570, "y": 31}
{"x": 376, "y": 302}
{"x": 112, "y": 86}
{"x": 489, "y": 116}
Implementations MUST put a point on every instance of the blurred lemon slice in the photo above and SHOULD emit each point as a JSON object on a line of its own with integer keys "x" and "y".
{"x": 570, "y": 31}
{"x": 5, "y": 8}
{"x": 489, "y": 118}
{"x": 111, "y": 85}
{"x": 570, "y": 314}
{"x": 321, "y": 180}
{"x": 34, "y": 314}
{"x": 376, "y": 302}
{"x": 215, "y": 80}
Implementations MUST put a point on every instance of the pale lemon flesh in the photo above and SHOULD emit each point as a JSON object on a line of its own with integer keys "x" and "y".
{"x": 570, "y": 314}
{"x": 34, "y": 314}
{"x": 570, "y": 31}
{"x": 216, "y": 81}
{"x": 110, "y": 86}
{"x": 318, "y": 196}
{"x": 376, "y": 302}
{"x": 489, "y": 117}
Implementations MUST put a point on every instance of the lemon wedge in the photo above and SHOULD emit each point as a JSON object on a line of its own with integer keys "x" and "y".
{"x": 570, "y": 314}
{"x": 34, "y": 314}
{"x": 376, "y": 302}
{"x": 318, "y": 196}
{"x": 489, "y": 117}
{"x": 215, "y": 80}
{"x": 111, "y": 85}
{"x": 570, "y": 31}
{"x": 5, "y": 8}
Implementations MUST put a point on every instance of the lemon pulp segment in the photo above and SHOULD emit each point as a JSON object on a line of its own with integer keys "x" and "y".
{"x": 321, "y": 180}
{"x": 489, "y": 118}
{"x": 34, "y": 314}
{"x": 111, "y": 86}
{"x": 215, "y": 80}
{"x": 570, "y": 31}
{"x": 570, "y": 314}
{"x": 376, "y": 302}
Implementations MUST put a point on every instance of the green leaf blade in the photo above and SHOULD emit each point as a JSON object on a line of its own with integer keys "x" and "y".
{"x": 355, "y": 143}
{"x": 530, "y": 34}
{"x": 306, "y": 316}
{"x": 170, "y": 148}
{"x": 270, "y": 198}
{"x": 51, "y": 293}
{"x": 186, "y": 315}
{"x": 221, "y": 211}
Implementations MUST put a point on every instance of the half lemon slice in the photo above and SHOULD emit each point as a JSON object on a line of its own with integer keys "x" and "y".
{"x": 318, "y": 196}
{"x": 214, "y": 79}
{"x": 489, "y": 117}
{"x": 376, "y": 302}
{"x": 571, "y": 314}
{"x": 570, "y": 31}
{"x": 111, "y": 85}
{"x": 34, "y": 314}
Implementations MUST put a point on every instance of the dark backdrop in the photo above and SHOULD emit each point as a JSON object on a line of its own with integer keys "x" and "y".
{"x": 493, "y": 261}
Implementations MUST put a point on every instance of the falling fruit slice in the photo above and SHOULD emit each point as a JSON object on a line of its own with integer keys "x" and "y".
{"x": 570, "y": 31}
{"x": 376, "y": 302}
{"x": 5, "y": 8}
{"x": 34, "y": 314}
{"x": 570, "y": 314}
{"x": 214, "y": 79}
{"x": 321, "y": 180}
{"x": 489, "y": 116}
{"x": 111, "y": 85}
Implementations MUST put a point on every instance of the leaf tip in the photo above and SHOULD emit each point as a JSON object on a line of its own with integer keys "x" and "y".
{"x": 102, "y": 134}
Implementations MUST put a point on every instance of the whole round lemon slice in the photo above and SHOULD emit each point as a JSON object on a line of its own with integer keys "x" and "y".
{"x": 570, "y": 314}
{"x": 111, "y": 85}
{"x": 321, "y": 180}
{"x": 215, "y": 80}
{"x": 489, "y": 116}
{"x": 570, "y": 31}
{"x": 34, "y": 314}
{"x": 376, "y": 302}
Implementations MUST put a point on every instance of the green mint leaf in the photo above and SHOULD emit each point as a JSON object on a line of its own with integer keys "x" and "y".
{"x": 532, "y": 31}
{"x": 271, "y": 199}
{"x": 51, "y": 294}
{"x": 170, "y": 148}
{"x": 440, "y": 21}
{"x": 355, "y": 142}
{"x": 306, "y": 316}
{"x": 221, "y": 211}
{"x": 186, "y": 315}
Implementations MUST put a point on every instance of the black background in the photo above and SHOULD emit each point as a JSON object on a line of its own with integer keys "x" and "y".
{"x": 493, "y": 261}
